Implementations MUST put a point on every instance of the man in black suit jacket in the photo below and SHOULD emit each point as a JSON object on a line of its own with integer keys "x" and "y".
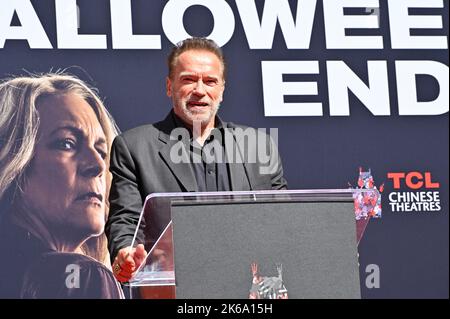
{"x": 152, "y": 158}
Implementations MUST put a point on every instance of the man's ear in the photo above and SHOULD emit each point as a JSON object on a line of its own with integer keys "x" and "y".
{"x": 223, "y": 90}
{"x": 168, "y": 87}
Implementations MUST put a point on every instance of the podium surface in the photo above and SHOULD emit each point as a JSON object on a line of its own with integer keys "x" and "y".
{"x": 261, "y": 244}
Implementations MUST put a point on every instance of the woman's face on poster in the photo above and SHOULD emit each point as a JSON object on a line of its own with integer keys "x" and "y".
{"x": 65, "y": 182}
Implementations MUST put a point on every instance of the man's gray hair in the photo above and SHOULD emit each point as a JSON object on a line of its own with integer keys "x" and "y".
{"x": 195, "y": 43}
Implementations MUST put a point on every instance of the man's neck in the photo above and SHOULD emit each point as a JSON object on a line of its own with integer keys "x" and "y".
{"x": 201, "y": 133}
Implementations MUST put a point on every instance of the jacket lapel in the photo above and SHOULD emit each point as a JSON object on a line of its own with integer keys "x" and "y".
{"x": 180, "y": 164}
{"x": 182, "y": 170}
{"x": 239, "y": 178}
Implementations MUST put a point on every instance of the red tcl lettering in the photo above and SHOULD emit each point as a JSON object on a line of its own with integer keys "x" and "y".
{"x": 413, "y": 180}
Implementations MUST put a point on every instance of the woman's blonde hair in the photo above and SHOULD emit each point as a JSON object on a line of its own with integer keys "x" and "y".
{"x": 19, "y": 125}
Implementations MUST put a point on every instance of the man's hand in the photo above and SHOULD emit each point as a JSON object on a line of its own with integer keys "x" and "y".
{"x": 127, "y": 261}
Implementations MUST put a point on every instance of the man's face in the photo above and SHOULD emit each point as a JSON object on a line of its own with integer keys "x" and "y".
{"x": 196, "y": 87}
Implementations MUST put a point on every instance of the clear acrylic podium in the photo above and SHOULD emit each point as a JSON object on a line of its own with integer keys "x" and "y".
{"x": 205, "y": 245}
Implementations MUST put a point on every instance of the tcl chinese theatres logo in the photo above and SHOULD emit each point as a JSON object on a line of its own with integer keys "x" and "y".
{"x": 414, "y": 192}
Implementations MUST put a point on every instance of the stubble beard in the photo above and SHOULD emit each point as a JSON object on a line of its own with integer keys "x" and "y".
{"x": 203, "y": 118}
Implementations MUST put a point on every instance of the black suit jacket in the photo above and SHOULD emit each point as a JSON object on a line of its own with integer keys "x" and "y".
{"x": 141, "y": 164}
